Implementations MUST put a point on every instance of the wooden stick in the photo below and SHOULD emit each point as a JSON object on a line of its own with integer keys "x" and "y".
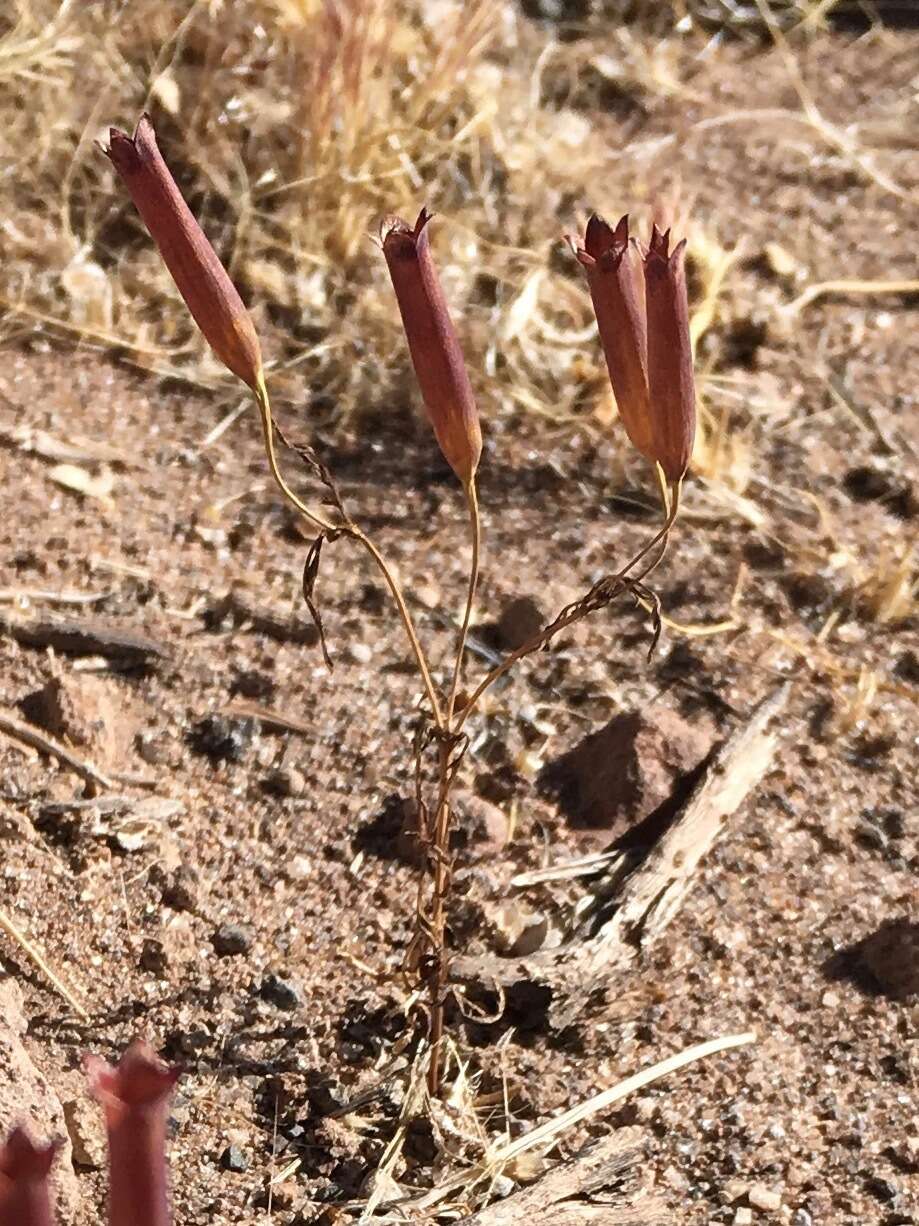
{"x": 548, "y": 1131}
{"x": 28, "y": 734}
{"x": 556, "y": 1198}
{"x": 652, "y": 895}
{"x": 84, "y": 637}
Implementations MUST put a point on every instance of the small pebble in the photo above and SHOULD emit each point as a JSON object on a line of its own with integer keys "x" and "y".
{"x": 502, "y": 1186}
{"x": 743, "y": 1217}
{"x": 221, "y": 738}
{"x": 891, "y": 954}
{"x": 251, "y": 683}
{"x": 181, "y": 890}
{"x": 298, "y": 869}
{"x": 427, "y": 593}
{"x": 286, "y": 781}
{"x": 282, "y": 993}
{"x": 361, "y": 653}
{"x": 232, "y": 939}
{"x": 86, "y": 1132}
{"x": 764, "y": 1198}
{"x": 285, "y": 1194}
{"x": 153, "y": 956}
{"x": 881, "y": 1188}
{"x": 802, "y": 1218}
{"x": 521, "y": 620}
{"x": 233, "y": 1159}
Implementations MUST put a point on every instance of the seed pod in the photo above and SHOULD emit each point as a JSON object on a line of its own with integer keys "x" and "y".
{"x": 200, "y": 277}
{"x": 135, "y": 1095}
{"x": 613, "y": 276}
{"x": 671, "y": 387}
{"x": 433, "y": 344}
{"x": 24, "y": 1169}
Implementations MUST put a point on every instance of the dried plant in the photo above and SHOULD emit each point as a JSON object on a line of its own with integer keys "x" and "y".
{"x": 644, "y": 323}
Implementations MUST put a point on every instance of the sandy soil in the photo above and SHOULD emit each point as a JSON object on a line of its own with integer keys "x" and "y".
{"x": 292, "y": 837}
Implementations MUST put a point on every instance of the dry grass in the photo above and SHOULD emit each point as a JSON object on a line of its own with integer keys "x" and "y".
{"x": 293, "y": 126}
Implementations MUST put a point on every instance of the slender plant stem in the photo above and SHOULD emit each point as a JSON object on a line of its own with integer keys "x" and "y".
{"x": 662, "y": 488}
{"x": 357, "y": 534}
{"x": 476, "y": 536}
{"x": 508, "y": 663}
{"x": 441, "y": 840}
{"x": 549, "y": 632}
{"x": 671, "y": 514}
{"x": 438, "y": 979}
{"x": 264, "y": 406}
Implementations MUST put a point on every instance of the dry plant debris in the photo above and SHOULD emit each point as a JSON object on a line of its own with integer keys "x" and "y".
{"x": 641, "y": 303}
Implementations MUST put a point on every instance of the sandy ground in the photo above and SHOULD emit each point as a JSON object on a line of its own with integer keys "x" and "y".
{"x": 292, "y": 836}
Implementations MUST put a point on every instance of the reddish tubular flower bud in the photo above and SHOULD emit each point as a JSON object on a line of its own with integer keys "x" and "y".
{"x": 24, "y": 1168}
{"x": 670, "y": 379}
{"x": 135, "y": 1096}
{"x": 615, "y": 289}
{"x": 433, "y": 344}
{"x": 200, "y": 277}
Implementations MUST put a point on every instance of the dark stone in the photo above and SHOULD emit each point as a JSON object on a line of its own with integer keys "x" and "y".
{"x": 868, "y": 483}
{"x": 521, "y": 620}
{"x": 220, "y": 738}
{"x": 892, "y": 956}
{"x": 282, "y": 993}
{"x": 907, "y": 666}
{"x": 232, "y": 939}
{"x": 153, "y": 956}
{"x": 233, "y": 1159}
{"x": 250, "y": 683}
{"x": 880, "y": 1188}
{"x": 180, "y": 891}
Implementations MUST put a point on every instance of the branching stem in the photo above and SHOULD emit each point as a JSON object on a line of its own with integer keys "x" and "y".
{"x": 346, "y": 528}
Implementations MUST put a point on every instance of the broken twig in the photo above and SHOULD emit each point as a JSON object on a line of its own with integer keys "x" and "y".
{"x": 560, "y": 1198}
{"x": 28, "y": 734}
{"x": 83, "y": 638}
{"x": 653, "y": 893}
{"x": 15, "y": 934}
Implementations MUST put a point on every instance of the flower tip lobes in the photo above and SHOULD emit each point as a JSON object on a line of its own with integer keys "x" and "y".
{"x": 601, "y": 239}
{"x": 24, "y": 1170}
{"x": 139, "y": 1079}
{"x": 135, "y": 1095}
{"x": 671, "y": 386}
{"x": 200, "y": 278}
{"x": 433, "y": 343}
{"x": 608, "y": 259}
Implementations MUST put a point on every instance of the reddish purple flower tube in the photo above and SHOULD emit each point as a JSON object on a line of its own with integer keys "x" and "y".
{"x": 135, "y": 1095}
{"x": 24, "y": 1169}
{"x": 671, "y": 386}
{"x": 200, "y": 277}
{"x": 433, "y": 344}
{"x": 615, "y": 291}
